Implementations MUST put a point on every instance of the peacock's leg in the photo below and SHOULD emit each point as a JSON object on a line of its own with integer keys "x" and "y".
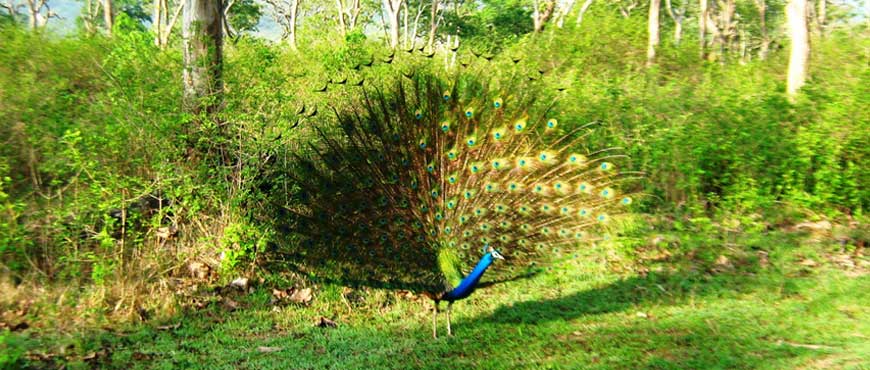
{"x": 435, "y": 320}
{"x": 449, "y": 332}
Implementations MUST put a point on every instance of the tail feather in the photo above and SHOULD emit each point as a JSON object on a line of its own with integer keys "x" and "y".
{"x": 427, "y": 169}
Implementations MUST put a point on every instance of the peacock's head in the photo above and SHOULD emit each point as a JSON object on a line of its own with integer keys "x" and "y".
{"x": 494, "y": 253}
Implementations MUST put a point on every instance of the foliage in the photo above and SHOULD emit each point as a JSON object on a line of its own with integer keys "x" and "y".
{"x": 103, "y": 178}
{"x": 642, "y": 304}
{"x": 245, "y": 15}
{"x": 11, "y": 350}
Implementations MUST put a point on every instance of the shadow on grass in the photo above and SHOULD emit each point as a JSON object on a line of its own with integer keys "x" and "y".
{"x": 586, "y": 329}
{"x": 606, "y": 298}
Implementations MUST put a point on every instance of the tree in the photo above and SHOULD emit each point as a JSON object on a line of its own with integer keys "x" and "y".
{"x": 763, "y": 50}
{"x": 348, "y": 14}
{"x": 286, "y": 14}
{"x": 703, "y": 14}
{"x": 241, "y": 16}
{"x": 583, "y": 10}
{"x": 392, "y": 8}
{"x": 38, "y": 11}
{"x": 796, "y": 14}
{"x": 202, "y": 39}
{"x": 678, "y": 15}
{"x": 89, "y": 15}
{"x": 542, "y": 13}
{"x": 108, "y": 16}
{"x": 434, "y": 20}
{"x": 653, "y": 30}
{"x": 725, "y": 28}
{"x": 626, "y": 6}
{"x": 822, "y": 16}
{"x": 162, "y": 24}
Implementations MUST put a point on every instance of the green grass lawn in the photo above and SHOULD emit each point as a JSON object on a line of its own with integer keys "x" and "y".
{"x": 767, "y": 306}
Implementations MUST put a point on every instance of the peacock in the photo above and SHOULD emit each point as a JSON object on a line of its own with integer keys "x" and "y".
{"x": 426, "y": 174}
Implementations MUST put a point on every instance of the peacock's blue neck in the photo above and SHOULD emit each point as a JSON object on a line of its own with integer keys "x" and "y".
{"x": 467, "y": 285}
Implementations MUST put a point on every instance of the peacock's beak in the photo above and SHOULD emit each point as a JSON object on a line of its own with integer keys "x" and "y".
{"x": 498, "y": 256}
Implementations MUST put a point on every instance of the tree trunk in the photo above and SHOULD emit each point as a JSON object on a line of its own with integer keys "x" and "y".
{"x": 34, "y": 11}
{"x": 294, "y": 12}
{"x": 34, "y": 18}
{"x": 762, "y": 24}
{"x": 341, "y": 25}
{"x": 653, "y": 30}
{"x": 796, "y": 13}
{"x": 583, "y": 10}
{"x": 393, "y": 8}
{"x": 286, "y": 13}
{"x": 170, "y": 24}
{"x": 727, "y": 29}
{"x": 416, "y": 24}
{"x": 229, "y": 31}
{"x": 108, "y": 16}
{"x": 156, "y": 22}
{"x": 702, "y": 28}
{"x": 822, "y": 16}
{"x": 433, "y": 24}
{"x": 89, "y": 16}
{"x": 678, "y": 16}
{"x": 540, "y": 17}
{"x": 405, "y": 22}
{"x": 563, "y": 12}
{"x": 203, "y": 54}
{"x": 355, "y": 8}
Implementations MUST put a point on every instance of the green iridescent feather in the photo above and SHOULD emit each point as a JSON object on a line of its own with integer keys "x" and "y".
{"x": 419, "y": 173}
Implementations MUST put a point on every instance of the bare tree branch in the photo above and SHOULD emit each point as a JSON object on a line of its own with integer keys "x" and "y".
{"x": 583, "y": 10}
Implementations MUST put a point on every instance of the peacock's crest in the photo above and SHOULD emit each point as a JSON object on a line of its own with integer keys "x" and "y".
{"x": 418, "y": 174}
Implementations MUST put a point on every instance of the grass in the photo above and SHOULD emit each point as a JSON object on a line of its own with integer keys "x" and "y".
{"x": 765, "y": 300}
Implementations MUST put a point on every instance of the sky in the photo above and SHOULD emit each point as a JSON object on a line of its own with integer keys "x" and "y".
{"x": 69, "y": 10}
{"x": 268, "y": 29}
